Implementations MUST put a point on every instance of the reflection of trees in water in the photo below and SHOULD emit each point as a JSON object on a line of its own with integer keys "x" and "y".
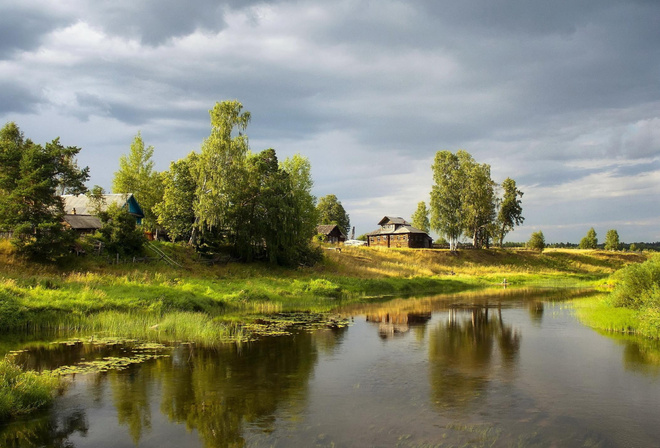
{"x": 461, "y": 352}
{"x": 131, "y": 393}
{"x": 213, "y": 391}
{"x": 535, "y": 309}
{"x": 217, "y": 392}
{"x": 328, "y": 340}
{"x": 641, "y": 355}
{"x": 51, "y": 430}
{"x": 398, "y": 323}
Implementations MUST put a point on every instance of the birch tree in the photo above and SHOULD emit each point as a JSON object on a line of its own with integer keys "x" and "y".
{"x": 510, "y": 212}
{"x": 447, "y": 197}
{"x": 220, "y": 167}
{"x": 136, "y": 175}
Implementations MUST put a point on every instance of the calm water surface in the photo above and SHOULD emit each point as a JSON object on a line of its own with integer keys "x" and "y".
{"x": 510, "y": 369}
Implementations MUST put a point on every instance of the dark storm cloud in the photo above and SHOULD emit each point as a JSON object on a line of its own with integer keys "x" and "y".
{"x": 561, "y": 96}
{"x": 17, "y": 99}
{"x": 22, "y": 28}
{"x": 154, "y": 22}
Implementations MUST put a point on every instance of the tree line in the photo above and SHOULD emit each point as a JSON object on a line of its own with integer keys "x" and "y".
{"x": 223, "y": 197}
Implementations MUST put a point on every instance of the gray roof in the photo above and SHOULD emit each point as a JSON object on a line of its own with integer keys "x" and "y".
{"x": 82, "y": 205}
{"x": 82, "y": 222}
{"x": 393, "y": 220}
{"x": 408, "y": 229}
{"x": 327, "y": 228}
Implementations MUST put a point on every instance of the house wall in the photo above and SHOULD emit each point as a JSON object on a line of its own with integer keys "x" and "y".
{"x": 412, "y": 241}
{"x": 379, "y": 240}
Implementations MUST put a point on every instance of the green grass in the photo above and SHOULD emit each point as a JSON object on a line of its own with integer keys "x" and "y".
{"x": 597, "y": 312}
{"x": 23, "y": 392}
{"x": 633, "y": 306}
{"x": 87, "y": 291}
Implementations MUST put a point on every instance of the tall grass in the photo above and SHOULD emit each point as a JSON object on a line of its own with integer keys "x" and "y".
{"x": 23, "y": 392}
{"x": 171, "y": 326}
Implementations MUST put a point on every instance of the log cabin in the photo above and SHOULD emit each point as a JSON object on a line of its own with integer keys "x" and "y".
{"x": 331, "y": 232}
{"x": 397, "y": 232}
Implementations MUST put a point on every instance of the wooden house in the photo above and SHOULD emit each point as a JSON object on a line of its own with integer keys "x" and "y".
{"x": 332, "y": 233}
{"x": 82, "y": 205}
{"x": 80, "y": 212}
{"x": 397, "y": 232}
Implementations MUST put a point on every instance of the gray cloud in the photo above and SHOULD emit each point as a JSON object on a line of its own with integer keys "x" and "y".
{"x": 545, "y": 92}
{"x": 22, "y": 28}
{"x": 16, "y": 98}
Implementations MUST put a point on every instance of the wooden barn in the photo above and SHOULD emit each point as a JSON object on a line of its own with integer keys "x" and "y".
{"x": 332, "y": 233}
{"x": 397, "y": 232}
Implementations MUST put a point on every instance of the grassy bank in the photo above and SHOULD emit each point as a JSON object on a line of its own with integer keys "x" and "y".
{"x": 218, "y": 298}
{"x": 23, "y": 392}
{"x": 633, "y": 306}
{"x": 209, "y": 304}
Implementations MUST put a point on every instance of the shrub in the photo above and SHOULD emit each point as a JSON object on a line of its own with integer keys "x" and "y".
{"x": 638, "y": 285}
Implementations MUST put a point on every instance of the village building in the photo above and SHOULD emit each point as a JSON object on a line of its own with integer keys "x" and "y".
{"x": 397, "y": 232}
{"x": 80, "y": 210}
{"x": 332, "y": 233}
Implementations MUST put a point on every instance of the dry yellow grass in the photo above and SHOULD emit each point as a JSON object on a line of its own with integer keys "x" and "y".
{"x": 373, "y": 262}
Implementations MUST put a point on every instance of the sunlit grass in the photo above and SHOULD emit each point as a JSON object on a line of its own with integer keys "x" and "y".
{"x": 23, "y": 392}
{"x": 37, "y": 296}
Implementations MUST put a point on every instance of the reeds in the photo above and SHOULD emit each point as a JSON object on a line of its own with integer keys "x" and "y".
{"x": 23, "y": 392}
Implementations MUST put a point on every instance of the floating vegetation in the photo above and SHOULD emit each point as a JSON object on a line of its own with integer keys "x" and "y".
{"x": 283, "y": 324}
{"x": 106, "y": 364}
{"x": 137, "y": 352}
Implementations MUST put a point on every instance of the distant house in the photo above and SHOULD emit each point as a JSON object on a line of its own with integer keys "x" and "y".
{"x": 397, "y": 232}
{"x": 332, "y": 233}
{"x": 80, "y": 211}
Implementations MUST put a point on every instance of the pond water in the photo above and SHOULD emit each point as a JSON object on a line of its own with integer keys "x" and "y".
{"x": 502, "y": 369}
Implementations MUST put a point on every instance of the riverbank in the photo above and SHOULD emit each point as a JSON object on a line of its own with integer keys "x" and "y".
{"x": 87, "y": 293}
{"x": 632, "y": 307}
{"x": 211, "y": 304}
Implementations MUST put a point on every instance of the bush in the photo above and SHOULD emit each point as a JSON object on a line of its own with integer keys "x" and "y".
{"x": 638, "y": 285}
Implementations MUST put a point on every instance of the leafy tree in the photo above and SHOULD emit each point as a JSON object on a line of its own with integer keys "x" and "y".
{"x": 120, "y": 232}
{"x": 136, "y": 175}
{"x": 220, "y": 168}
{"x": 175, "y": 212}
{"x": 303, "y": 226}
{"x": 478, "y": 202}
{"x": 633, "y": 247}
{"x": 447, "y": 197}
{"x": 537, "y": 241}
{"x": 510, "y": 213}
{"x": 420, "y": 218}
{"x": 612, "y": 240}
{"x": 590, "y": 241}
{"x": 330, "y": 211}
{"x": 31, "y": 176}
{"x": 272, "y": 219}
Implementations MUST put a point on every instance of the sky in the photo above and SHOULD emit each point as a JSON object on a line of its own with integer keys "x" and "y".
{"x": 561, "y": 96}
